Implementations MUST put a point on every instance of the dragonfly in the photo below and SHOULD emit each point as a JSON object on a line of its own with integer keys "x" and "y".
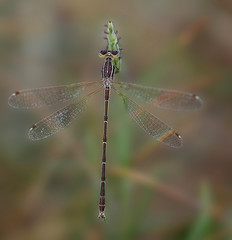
{"x": 152, "y": 125}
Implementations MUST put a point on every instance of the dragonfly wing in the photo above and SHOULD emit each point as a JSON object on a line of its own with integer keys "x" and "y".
{"x": 151, "y": 124}
{"x": 46, "y": 96}
{"x": 163, "y": 98}
{"x": 59, "y": 119}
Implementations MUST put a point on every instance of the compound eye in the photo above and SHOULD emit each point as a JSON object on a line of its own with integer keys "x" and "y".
{"x": 114, "y": 52}
{"x": 103, "y": 52}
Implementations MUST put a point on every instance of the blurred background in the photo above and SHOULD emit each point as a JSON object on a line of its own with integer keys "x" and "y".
{"x": 50, "y": 188}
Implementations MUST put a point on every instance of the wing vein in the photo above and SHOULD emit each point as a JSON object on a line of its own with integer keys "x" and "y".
{"x": 150, "y": 123}
{"x": 47, "y": 96}
{"x": 162, "y": 98}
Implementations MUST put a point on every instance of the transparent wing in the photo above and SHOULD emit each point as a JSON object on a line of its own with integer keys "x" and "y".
{"x": 163, "y": 98}
{"x": 59, "y": 119}
{"x": 47, "y": 96}
{"x": 151, "y": 124}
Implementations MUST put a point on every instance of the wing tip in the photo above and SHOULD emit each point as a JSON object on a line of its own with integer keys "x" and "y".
{"x": 32, "y": 134}
{"x": 198, "y": 102}
{"x": 11, "y": 99}
{"x": 179, "y": 142}
{"x": 172, "y": 139}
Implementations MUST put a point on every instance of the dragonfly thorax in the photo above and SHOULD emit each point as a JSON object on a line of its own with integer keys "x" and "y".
{"x": 108, "y": 69}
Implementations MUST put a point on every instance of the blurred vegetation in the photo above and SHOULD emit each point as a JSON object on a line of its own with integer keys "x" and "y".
{"x": 50, "y": 189}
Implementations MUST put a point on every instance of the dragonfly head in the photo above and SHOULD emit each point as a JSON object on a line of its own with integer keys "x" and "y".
{"x": 108, "y": 53}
